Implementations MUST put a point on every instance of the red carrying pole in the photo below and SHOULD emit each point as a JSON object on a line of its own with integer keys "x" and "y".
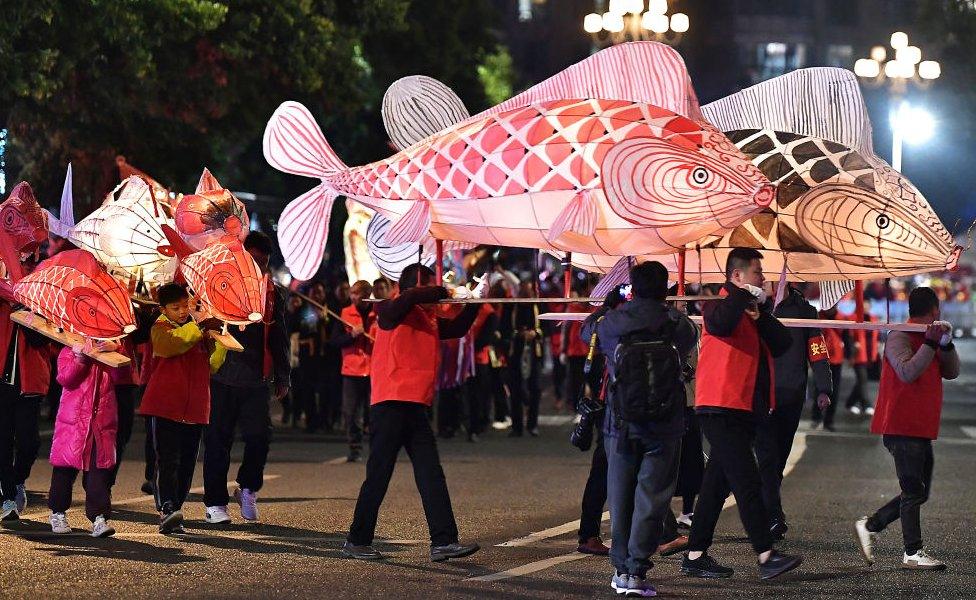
{"x": 567, "y": 274}
{"x": 681, "y": 272}
{"x": 439, "y": 266}
{"x": 859, "y": 301}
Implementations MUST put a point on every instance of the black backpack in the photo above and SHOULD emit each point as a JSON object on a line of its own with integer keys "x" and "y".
{"x": 647, "y": 382}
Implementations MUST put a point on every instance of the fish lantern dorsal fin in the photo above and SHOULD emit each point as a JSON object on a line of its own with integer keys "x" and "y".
{"x": 823, "y": 102}
{"x": 179, "y": 245}
{"x": 416, "y": 107}
{"x": 208, "y": 183}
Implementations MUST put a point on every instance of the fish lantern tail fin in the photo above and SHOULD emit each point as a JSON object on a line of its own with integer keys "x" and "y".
{"x": 177, "y": 243}
{"x": 294, "y": 143}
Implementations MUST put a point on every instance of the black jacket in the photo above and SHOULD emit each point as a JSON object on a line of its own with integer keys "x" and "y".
{"x": 246, "y": 369}
{"x": 791, "y": 367}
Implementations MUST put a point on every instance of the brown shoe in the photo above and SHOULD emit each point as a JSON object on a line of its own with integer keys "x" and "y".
{"x": 674, "y": 546}
{"x": 594, "y": 545}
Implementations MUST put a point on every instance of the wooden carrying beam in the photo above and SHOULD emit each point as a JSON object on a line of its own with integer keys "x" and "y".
{"x": 46, "y": 328}
{"x": 547, "y": 300}
{"x": 227, "y": 341}
{"x": 804, "y": 323}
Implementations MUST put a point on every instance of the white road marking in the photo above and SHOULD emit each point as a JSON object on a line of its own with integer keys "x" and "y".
{"x": 336, "y": 461}
{"x": 139, "y": 499}
{"x": 796, "y": 453}
{"x": 969, "y": 430}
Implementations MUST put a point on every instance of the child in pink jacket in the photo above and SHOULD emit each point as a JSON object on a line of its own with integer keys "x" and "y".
{"x": 84, "y": 439}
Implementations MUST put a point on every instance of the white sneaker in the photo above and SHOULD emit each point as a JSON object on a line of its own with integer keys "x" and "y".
{"x": 101, "y": 528}
{"x": 865, "y": 539}
{"x": 59, "y": 523}
{"x": 499, "y": 425}
{"x": 685, "y": 520}
{"x": 249, "y": 503}
{"x": 922, "y": 561}
{"x": 855, "y": 410}
{"x": 8, "y": 512}
{"x": 869, "y": 411}
{"x": 217, "y": 515}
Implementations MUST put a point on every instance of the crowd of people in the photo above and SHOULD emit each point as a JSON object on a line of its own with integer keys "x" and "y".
{"x": 374, "y": 360}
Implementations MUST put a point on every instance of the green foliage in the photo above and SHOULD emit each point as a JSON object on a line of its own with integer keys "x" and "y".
{"x": 496, "y": 75}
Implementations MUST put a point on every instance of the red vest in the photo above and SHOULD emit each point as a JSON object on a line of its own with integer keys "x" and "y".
{"x": 405, "y": 360}
{"x": 727, "y": 368}
{"x": 835, "y": 346}
{"x": 575, "y": 346}
{"x": 34, "y": 364}
{"x": 912, "y": 409}
{"x": 482, "y": 356}
{"x": 356, "y": 356}
{"x": 179, "y": 386}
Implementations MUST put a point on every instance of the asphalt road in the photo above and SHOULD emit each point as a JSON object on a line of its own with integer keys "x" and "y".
{"x": 503, "y": 490}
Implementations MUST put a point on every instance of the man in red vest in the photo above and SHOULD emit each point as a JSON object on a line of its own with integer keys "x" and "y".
{"x": 404, "y": 370}
{"x": 734, "y": 391}
{"x": 353, "y": 335}
{"x": 907, "y": 415}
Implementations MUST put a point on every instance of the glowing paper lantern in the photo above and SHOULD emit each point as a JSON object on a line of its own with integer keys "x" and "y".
{"x": 224, "y": 277}
{"x": 124, "y": 233}
{"x": 581, "y": 173}
{"x": 23, "y": 224}
{"x": 210, "y": 214}
{"x": 74, "y": 292}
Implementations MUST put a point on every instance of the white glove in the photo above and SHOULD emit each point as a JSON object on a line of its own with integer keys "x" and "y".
{"x": 947, "y": 336}
{"x": 461, "y": 293}
{"x": 480, "y": 290}
{"x": 758, "y": 292}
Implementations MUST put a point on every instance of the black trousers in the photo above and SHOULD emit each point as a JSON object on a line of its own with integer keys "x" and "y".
{"x": 176, "y": 446}
{"x": 857, "y": 395}
{"x": 230, "y": 407}
{"x": 691, "y": 469}
{"x": 491, "y": 391}
{"x": 913, "y": 464}
{"x": 731, "y": 466}
{"x": 774, "y": 440}
{"x": 595, "y": 492}
{"x": 150, "y": 451}
{"x": 449, "y": 411}
{"x": 327, "y": 412}
{"x": 125, "y": 396}
{"x": 355, "y": 409}
{"x": 20, "y": 439}
{"x": 827, "y": 416}
{"x": 525, "y": 392}
{"x": 558, "y": 378}
{"x": 395, "y": 425}
{"x": 97, "y": 484}
{"x": 477, "y": 415}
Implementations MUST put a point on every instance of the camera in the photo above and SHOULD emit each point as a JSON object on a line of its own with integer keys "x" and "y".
{"x": 590, "y": 412}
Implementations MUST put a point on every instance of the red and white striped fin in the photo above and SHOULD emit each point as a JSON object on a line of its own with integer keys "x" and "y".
{"x": 620, "y": 273}
{"x": 579, "y": 216}
{"x": 303, "y": 229}
{"x": 294, "y": 143}
{"x": 412, "y": 227}
{"x": 416, "y": 107}
{"x": 832, "y": 291}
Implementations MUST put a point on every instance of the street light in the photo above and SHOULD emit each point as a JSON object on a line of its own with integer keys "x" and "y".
{"x": 896, "y": 70}
{"x": 627, "y": 21}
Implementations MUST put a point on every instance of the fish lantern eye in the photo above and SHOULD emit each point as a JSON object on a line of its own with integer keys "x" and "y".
{"x": 8, "y": 217}
{"x": 883, "y": 221}
{"x": 699, "y": 175}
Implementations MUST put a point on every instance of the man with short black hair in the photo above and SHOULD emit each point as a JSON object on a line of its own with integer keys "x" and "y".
{"x": 642, "y": 456}
{"x": 907, "y": 415}
{"x": 734, "y": 391}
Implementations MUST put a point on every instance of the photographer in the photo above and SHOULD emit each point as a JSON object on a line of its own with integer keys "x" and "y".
{"x": 643, "y": 434}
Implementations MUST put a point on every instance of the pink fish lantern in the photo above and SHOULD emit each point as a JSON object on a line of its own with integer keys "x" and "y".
{"x": 224, "y": 277}
{"x": 23, "y": 221}
{"x": 73, "y": 291}
{"x": 210, "y": 214}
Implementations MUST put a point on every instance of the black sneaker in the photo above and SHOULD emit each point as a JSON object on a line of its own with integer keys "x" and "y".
{"x": 704, "y": 566}
{"x": 442, "y": 553}
{"x": 169, "y": 521}
{"x": 353, "y": 456}
{"x": 778, "y": 564}
{"x": 147, "y": 488}
{"x": 350, "y": 550}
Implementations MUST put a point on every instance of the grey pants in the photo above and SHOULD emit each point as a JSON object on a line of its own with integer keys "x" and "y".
{"x": 355, "y": 409}
{"x": 640, "y": 483}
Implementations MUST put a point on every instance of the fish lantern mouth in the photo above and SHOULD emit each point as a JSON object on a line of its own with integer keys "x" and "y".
{"x": 764, "y": 195}
{"x": 166, "y": 250}
{"x": 233, "y": 225}
{"x": 952, "y": 261}
{"x": 129, "y": 328}
{"x": 254, "y": 317}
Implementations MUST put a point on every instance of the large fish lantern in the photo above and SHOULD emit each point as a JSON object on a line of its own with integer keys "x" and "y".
{"x": 580, "y": 173}
{"x": 124, "y": 233}
{"x": 224, "y": 277}
{"x": 75, "y": 293}
{"x": 210, "y": 214}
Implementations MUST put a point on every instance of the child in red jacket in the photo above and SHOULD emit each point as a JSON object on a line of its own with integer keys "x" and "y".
{"x": 177, "y": 399}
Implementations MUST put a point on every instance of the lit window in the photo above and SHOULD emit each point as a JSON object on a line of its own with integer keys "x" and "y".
{"x": 839, "y": 55}
{"x": 776, "y": 58}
